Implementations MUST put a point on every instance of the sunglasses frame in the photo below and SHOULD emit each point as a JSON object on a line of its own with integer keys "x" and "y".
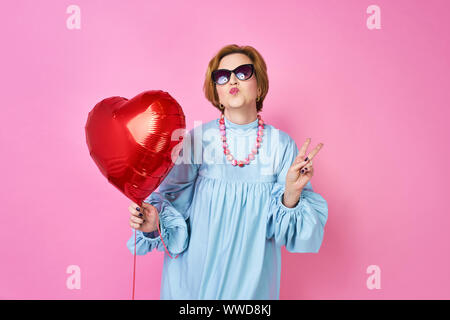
{"x": 232, "y": 71}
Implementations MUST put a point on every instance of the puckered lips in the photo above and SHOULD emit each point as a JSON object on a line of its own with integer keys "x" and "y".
{"x": 234, "y": 91}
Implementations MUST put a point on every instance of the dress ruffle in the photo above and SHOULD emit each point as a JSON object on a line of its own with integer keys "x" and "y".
{"x": 300, "y": 228}
{"x": 173, "y": 230}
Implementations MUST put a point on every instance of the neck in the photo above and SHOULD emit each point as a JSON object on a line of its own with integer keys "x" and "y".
{"x": 240, "y": 116}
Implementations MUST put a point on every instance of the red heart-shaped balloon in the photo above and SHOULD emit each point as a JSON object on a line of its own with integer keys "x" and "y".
{"x": 135, "y": 142}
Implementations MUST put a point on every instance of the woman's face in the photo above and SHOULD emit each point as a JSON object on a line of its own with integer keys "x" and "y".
{"x": 248, "y": 89}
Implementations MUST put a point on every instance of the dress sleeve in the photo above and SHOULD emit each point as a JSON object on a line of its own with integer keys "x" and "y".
{"x": 172, "y": 202}
{"x": 300, "y": 228}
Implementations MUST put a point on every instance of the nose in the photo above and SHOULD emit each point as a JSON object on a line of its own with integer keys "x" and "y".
{"x": 233, "y": 78}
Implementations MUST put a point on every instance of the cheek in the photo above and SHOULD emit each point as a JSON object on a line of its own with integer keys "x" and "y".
{"x": 252, "y": 86}
{"x": 221, "y": 91}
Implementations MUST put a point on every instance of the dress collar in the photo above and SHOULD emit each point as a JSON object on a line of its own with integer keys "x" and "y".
{"x": 235, "y": 126}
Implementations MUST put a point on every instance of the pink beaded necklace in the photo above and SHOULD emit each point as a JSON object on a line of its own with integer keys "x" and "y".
{"x": 251, "y": 156}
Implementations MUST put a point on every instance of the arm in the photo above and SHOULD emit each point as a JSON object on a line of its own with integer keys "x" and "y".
{"x": 295, "y": 220}
{"x": 172, "y": 202}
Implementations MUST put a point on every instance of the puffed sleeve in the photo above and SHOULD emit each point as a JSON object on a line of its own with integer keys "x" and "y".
{"x": 300, "y": 228}
{"x": 172, "y": 202}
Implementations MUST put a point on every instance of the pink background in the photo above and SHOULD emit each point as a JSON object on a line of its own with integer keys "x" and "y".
{"x": 377, "y": 99}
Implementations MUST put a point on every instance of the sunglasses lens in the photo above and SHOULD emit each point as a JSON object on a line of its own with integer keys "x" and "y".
{"x": 221, "y": 76}
{"x": 244, "y": 72}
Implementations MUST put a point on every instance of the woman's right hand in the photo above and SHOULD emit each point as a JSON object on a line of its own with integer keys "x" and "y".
{"x": 146, "y": 221}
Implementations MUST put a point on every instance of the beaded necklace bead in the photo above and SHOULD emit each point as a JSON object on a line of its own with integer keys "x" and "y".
{"x": 254, "y": 151}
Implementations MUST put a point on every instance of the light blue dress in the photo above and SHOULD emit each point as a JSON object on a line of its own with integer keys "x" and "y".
{"x": 227, "y": 223}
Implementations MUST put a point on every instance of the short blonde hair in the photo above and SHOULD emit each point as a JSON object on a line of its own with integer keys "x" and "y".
{"x": 209, "y": 87}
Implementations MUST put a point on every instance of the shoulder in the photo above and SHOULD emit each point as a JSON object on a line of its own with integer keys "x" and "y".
{"x": 199, "y": 133}
{"x": 201, "y": 127}
{"x": 279, "y": 137}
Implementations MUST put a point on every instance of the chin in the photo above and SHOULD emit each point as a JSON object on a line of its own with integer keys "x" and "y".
{"x": 236, "y": 104}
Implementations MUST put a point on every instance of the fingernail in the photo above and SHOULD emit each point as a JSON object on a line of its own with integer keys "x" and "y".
{"x": 140, "y": 214}
{"x": 302, "y": 171}
{"x": 138, "y": 209}
{"x": 306, "y": 159}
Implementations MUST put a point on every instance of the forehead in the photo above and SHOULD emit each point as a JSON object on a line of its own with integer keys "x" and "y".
{"x": 233, "y": 61}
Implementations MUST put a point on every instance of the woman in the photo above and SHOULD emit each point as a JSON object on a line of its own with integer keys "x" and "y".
{"x": 227, "y": 218}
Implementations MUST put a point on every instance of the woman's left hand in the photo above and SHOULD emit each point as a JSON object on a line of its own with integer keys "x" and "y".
{"x": 301, "y": 171}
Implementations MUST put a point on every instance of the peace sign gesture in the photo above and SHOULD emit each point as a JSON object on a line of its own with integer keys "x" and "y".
{"x": 301, "y": 170}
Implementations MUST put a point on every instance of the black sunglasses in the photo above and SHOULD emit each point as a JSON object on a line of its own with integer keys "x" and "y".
{"x": 222, "y": 76}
